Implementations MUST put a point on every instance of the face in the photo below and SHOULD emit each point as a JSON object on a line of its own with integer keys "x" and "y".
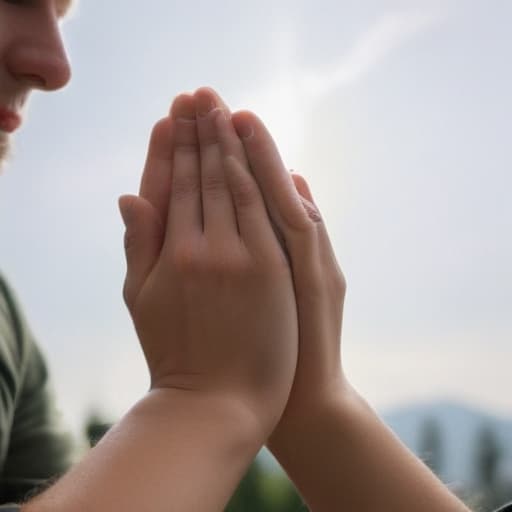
{"x": 32, "y": 56}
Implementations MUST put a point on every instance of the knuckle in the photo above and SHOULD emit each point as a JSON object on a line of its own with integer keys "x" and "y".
{"x": 338, "y": 285}
{"x": 207, "y": 137}
{"x": 245, "y": 193}
{"x": 311, "y": 210}
{"x": 301, "y": 223}
{"x": 185, "y": 148}
{"x": 213, "y": 183}
{"x": 226, "y": 264}
{"x": 185, "y": 186}
{"x": 186, "y": 259}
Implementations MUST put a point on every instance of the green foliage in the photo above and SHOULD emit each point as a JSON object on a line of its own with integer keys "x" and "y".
{"x": 263, "y": 491}
{"x": 272, "y": 491}
{"x": 95, "y": 428}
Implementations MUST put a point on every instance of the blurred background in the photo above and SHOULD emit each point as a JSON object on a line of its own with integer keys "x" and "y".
{"x": 399, "y": 115}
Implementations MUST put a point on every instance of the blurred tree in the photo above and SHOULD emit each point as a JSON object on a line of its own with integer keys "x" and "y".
{"x": 259, "y": 490}
{"x": 95, "y": 428}
{"x": 249, "y": 495}
{"x": 265, "y": 491}
{"x": 431, "y": 445}
{"x": 487, "y": 461}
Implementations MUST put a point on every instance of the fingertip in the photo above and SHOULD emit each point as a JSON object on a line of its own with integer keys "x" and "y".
{"x": 161, "y": 127}
{"x": 160, "y": 141}
{"x": 302, "y": 186}
{"x": 183, "y": 107}
{"x": 126, "y": 204}
{"x": 205, "y": 101}
{"x": 306, "y": 197}
{"x": 215, "y": 96}
{"x": 244, "y": 122}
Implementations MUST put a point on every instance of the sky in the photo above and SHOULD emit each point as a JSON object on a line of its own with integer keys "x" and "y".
{"x": 398, "y": 114}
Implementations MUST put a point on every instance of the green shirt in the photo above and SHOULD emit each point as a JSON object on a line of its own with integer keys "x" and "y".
{"x": 33, "y": 448}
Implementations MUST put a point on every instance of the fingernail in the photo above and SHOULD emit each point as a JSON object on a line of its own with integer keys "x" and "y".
{"x": 244, "y": 130}
{"x": 220, "y": 117}
{"x": 204, "y": 105}
{"x": 184, "y": 107}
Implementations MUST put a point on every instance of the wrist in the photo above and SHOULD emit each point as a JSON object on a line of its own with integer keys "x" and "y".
{"x": 256, "y": 412}
{"x": 167, "y": 449}
{"x": 303, "y": 422}
{"x": 224, "y": 415}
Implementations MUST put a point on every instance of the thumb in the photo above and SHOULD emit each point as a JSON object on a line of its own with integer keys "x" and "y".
{"x": 143, "y": 240}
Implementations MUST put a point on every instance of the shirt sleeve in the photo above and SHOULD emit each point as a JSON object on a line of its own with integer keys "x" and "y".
{"x": 35, "y": 448}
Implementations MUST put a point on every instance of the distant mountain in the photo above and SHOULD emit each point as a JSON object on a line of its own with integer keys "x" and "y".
{"x": 459, "y": 426}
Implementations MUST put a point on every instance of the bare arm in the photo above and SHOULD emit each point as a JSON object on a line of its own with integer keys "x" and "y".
{"x": 333, "y": 446}
{"x": 211, "y": 296}
{"x": 172, "y": 451}
{"x": 340, "y": 454}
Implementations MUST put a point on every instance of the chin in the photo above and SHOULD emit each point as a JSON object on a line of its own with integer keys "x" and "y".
{"x": 4, "y": 147}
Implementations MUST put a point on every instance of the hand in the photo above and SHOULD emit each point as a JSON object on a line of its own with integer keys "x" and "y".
{"x": 319, "y": 283}
{"x": 208, "y": 285}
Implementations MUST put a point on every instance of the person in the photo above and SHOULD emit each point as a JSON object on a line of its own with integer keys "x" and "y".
{"x": 237, "y": 298}
{"x": 33, "y": 446}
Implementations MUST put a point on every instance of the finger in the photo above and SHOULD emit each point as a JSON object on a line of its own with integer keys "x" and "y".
{"x": 326, "y": 251}
{"x": 185, "y": 212}
{"x": 157, "y": 175}
{"x": 218, "y": 210}
{"x": 219, "y": 102}
{"x": 306, "y": 197}
{"x": 252, "y": 218}
{"x": 142, "y": 241}
{"x": 275, "y": 182}
{"x": 302, "y": 186}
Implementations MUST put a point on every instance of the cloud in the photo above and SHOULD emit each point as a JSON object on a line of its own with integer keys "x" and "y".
{"x": 284, "y": 103}
{"x": 389, "y": 33}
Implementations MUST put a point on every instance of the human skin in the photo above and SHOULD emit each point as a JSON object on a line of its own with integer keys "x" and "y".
{"x": 216, "y": 390}
{"x": 232, "y": 294}
{"x": 32, "y": 55}
{"x": 325, "y": 419}
{"x": 214, "y": 309}
{"x": 333, "y": 446}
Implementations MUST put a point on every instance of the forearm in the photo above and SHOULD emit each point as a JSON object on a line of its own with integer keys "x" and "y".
{"x": 344, "y": 457}
{"x": 172, "y": 451}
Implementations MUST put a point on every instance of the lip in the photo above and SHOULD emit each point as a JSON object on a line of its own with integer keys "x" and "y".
{"x": 9, "y": 120}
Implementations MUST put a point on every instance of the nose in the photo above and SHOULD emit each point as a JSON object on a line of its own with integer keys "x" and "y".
{"x": 38, "y": 58}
